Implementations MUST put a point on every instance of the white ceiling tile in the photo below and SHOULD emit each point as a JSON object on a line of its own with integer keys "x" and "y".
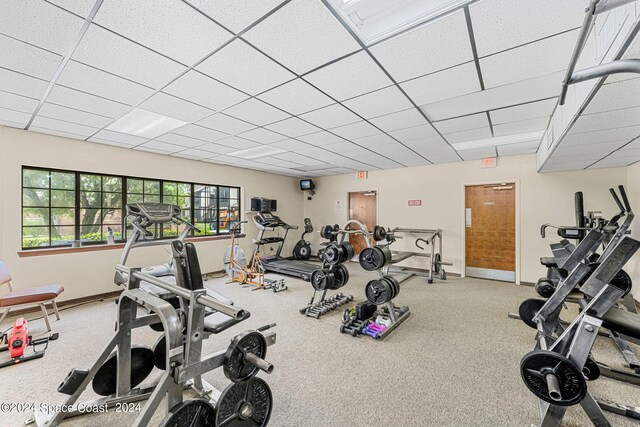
{"x": 477, "y": 153}
{"x": 503, "y": 96}
{"x": 169, "y": 27}
{"x": 296, "y": 97}
{"x": 17, "y": 102}
{"x": 356, "y": 130}
{"x": 160, "y": 146}
{"x": 375, "y": 140}
{"x": 20, "y": 84}
{"x": 607, "y": 120}
{"x": 118, "y": 137}
{"x": 225, "y": 159}
{"x": 14, "y": 118}
{"x": 200, "y": 132}
{"x": 107, "y": 51}
{"x": 79, "y": 7}
{"x": 177, "y": 108}
{"x": 59, "y": 125}
{"x": 195, "y": 153}
{"x": 263, "y": 136}
{"x": 437, "y": 45}
{"x": 341, "y": 147}
{"x": 613, "y": 162}
{"x": 400, "y": 120}
{"x": 226, "y": 124}
{"x": 532, "y": 60}
{"x": 72, "y": 98}
{"x": 184, "y": 155}
{"x": 615, "y": 96}
{"x": 216, "y": 148}
{"x": 112, "y": 143}
{"x": 175, "y": 139}
{"x": 40, "y": 23}
{"x": 447, "y": 155}
{"x": 320, "y": 138}
{"x": 517, "y": 149}
{"x": 30, "y": 60}
{"x": 298, "y": 158}
{"x": 56, "y": 132}
{"x": 331, "y": 116}
{"x": 349, "y": 77}
{"x": 414, "y": 132}
{"x": 469, "y": 135}
{"x": 91, "y": 80}
{"x": 522, "y": 126}
{"x": 236, "y": 15}
{"x": 382, "y": 102}
{"x": 58, "y": 112}
{"x": 523, "y": 112}
{"x": 293, "y": 127}
{"x": 599, "y": 136}
{"x": 341, "y": 170}
{"x": 302, "y": 35}
{"x": 273, "y": 161}
{"x": 463, "y": 123}
{"x": 243, "y": 67}
{"x": 503, "y": 24}
{"x": 257, "y": 112}
{"x": 237, "y": 143}
{"x": 291, "y": 145}
{"x": 196, "y": 87}
{"x": 446, "y": 84}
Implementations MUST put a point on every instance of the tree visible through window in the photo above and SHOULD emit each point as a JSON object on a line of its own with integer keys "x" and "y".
{"x": 59, "y": 207}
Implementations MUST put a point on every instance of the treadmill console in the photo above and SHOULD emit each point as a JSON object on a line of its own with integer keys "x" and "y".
{"x": 154, "y": 213}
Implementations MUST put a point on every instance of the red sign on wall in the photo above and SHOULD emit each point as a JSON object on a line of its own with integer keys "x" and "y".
{"x": 415, "y": 202}
{"x": 361, "y": 175}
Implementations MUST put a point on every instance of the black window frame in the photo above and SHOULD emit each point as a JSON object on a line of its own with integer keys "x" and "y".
{"x": 159, "y": 232}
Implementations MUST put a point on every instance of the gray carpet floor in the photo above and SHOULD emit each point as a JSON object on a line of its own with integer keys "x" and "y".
{"x": 454, "y": 362}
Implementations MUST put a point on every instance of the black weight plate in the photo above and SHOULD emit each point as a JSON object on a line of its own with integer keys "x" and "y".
{"x": 160, "y": 352}
{"x": 528, "y": 309}
{"x": 379, "y": 233}
{"x": 319, "y": 280}
{"x": 374, "y": 258}
{"x": 394, "y": 285}
{"x": 192, "y": 413}
{"x": 437, "y": 263}
{"x": 332, "y": 254}
{"x": 572, "y": 383}
{"x": 622, "y": 280}
{"x": 142, "y": 362}
{"x": 341, "y": 275}
{"x": 348, "y": 249}
{"x": 545, "y": 287}
{"x": 326, "y": 232}
{"x": 247, "y": 403}
{"x": 591, "y": 370}
{"x": 234, "y": 366}
{"x": 378, "y": 291}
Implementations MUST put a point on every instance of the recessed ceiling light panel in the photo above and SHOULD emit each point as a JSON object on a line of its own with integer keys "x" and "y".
{"x": 500, "y": 140}
{"x": 257, "y": 152}
{"x": 145, "y": 123}
{"x": 374, "y": 20}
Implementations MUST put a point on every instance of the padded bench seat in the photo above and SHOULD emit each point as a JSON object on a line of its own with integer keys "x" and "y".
{"x": 33, "y": 295}
{"x": 623, "y": 322}
{"x": 548, "y": 261}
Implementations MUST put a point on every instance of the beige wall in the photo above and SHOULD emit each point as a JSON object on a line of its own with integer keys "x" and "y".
{"x": 633, "y": 191}
{"x": 90, "y": 273}
{"x": 543, "y": 198}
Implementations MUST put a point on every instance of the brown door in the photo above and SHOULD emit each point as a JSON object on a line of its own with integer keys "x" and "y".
{"x": 490, "y": 231}
{"x": 362, "y": 207}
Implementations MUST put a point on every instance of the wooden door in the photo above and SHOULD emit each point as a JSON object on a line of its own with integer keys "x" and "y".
{"x": 362, "y": 207}
{"x": 490, "y": 231}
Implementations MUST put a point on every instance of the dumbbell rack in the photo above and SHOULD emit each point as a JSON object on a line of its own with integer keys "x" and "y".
{"x": 396, "y": 314}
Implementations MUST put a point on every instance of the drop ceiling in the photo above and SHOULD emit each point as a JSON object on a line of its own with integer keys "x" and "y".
{"x": 290, "y": 74}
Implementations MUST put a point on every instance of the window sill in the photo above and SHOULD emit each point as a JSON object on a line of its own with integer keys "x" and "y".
{"x": 96, "y": 248}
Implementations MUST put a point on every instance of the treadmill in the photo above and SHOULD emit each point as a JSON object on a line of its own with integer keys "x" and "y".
{"x": 265, "y": 220}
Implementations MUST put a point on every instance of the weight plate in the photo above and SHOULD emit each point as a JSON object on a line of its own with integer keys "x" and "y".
{"x": 332, "y": 254}
{"x": 326, "y": 232}
{"x": 378, "y": 291}
{"x": 160, "y": 352}
{"x": 319, "y": 279}
{"x": 379, "y": 233}
{"x": 375, "y": 258}
{"x": 622, "y": 280}
{"x": 591, "y": 370}
{"x": 348, "y": 250}
{"x": 157, "y": 327}
{"x": 528, "y": 309}
{"x": 235, "y": 367}
{"x": 545, "y": 287}
{"x": 142, "y": 362}
{"x": 395, "y": 286}
{"x": 247, "y": 403}
{"x": 192, "y": 413}
{"x": 572, "y": 385}
{"x": 341, "y": 275}
{"x": 437, "y": 263}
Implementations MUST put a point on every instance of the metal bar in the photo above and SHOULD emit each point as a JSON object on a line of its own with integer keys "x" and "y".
{"x": 181, "y": 292}
{"x": 394, "y": 325}
{"x": 607, "y": 5}
{"x": 631, "y": 65}
{"x": 593, "y": 410}
{"x": 577, "y": 50}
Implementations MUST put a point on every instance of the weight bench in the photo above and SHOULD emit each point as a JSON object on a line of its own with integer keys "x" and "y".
{"x": 28, "y": 297}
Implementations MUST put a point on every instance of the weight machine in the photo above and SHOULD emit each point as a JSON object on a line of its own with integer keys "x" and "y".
{"x": 122, "y": 366}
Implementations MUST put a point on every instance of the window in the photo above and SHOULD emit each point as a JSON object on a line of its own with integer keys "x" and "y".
{"x": 59, "y": 207}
